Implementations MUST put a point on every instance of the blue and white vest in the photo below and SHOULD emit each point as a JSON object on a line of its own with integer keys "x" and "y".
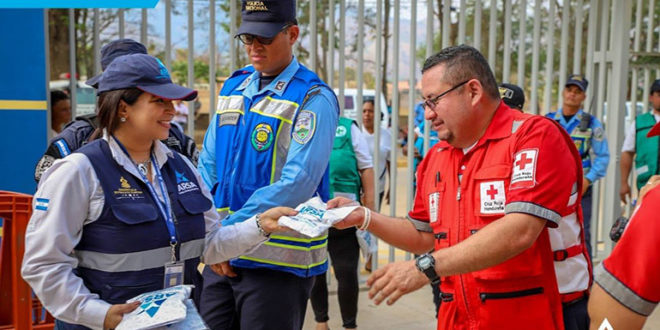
{"x": 123, "y": 253}
{"x": 252, "y": 142}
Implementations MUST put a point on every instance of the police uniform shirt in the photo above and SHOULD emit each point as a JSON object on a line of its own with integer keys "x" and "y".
{"x": 68, "y": 198}
{"x": 305, "y": 163}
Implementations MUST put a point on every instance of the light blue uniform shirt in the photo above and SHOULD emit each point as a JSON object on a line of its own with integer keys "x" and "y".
{"x": 305, "y": 163}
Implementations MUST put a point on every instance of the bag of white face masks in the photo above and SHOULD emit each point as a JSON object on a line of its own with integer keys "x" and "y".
{"x": 157, "y": 308}
{"x": 313, "y": 217}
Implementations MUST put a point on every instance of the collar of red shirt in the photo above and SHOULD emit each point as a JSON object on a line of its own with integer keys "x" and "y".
{"x": 499, "y": 127}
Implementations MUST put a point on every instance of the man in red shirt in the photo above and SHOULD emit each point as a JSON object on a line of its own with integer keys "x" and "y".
{"x": 627, "y": 287}
{"x": 486, "y": 194}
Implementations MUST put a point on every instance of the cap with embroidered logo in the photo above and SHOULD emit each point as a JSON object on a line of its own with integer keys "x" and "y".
{"x": 113, "y": 50}
{"x": 512, "y": 95}
{"x": 266, "y": 18}
{"x": 578, "y": 80}
{"x": 143, "y": 72}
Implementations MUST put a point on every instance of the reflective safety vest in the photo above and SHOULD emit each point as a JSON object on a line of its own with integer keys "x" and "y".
{"x": 252, "y": 143}
{"x": 516, "y": 293}
{"x": 646, "y": 149}
{"x": 123, "y": 253}
{"x": 344, "y": 173}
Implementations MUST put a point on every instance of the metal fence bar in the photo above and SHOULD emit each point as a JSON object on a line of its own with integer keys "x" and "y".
{"x": 120, "y": 16}
{"x": 563, "y": 57}
{"x": 411, "y": 100}
{"x": 360, "y": 69}
{"x": 429, "y": 52}
{"x": 477, "y": 25}
{"x": 331, "y": 52}
{"x": 649, "y": 47}
{"x": 395, "y": 118}
{"x": 191, "y": 67}
{"x": 522, "y": 28}
{"x": 342, "y": 55}
{"x": 233, "y": 51}
{"x": 212, "y": 60}
{"x": 73, "y": 81}
{"x": 377, "y": 112}
{"x": 492, "y": 27}
{"x": 168, "y": 35}
{"x": 577, "y": 42}
{"x": 462, "y": 20}
{"x": 143, "y": 26}
{"x": 536, "y": 50}
{"x": 313, "y": 35}
{"x": 506, "y": 65}
{"x": 446, "y": 23}
{"x": 549, "y": 70}
{"x": 96, "y": 44}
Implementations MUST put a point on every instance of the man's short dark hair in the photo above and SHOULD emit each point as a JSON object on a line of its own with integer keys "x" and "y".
{"x": 463, "y": 63}
{"x": 56, "y": 96}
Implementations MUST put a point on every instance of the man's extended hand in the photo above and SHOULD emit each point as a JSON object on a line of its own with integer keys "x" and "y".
{"x": 394, "y": 280}
{"x": 653, "y": 181}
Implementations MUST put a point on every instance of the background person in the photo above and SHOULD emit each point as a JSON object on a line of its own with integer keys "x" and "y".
{"x": 268, "y": 144}
{"x": 589, "y": 136}
{"x": 385, "y": 146}
{"x": 646, "y": 150}
{"x": 485, "y": 196}
{"x": 60, "y": 111}
{"x": 351, "y": 176}
{"x": 110, "y": 219}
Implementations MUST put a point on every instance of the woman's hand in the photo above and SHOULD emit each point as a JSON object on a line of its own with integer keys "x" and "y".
{"x": 653, "y": 181}
{"x": 339, "y": 202}
{"x": 269, "y": 219}
{"x": 116, "y": 313}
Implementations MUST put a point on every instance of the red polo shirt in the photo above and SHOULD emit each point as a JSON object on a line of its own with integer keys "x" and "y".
{"x": 631, "y": 274}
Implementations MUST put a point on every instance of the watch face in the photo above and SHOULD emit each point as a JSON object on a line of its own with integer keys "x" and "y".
{"x": 424, "y": 262}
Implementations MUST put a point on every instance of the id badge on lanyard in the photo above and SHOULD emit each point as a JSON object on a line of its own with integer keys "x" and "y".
{"x": 174, "y": 269}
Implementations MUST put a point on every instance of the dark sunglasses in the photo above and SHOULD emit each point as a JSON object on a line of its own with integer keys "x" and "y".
{"x": 432, "y": 102}
{"x": 248, "y": 39}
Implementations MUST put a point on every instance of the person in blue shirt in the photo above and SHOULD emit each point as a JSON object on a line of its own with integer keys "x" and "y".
{"x": 268, "y": 144}
{"x": 589, "y": 136}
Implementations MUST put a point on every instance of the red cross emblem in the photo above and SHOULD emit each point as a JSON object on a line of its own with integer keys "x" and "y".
{"x": 523, "y": 161}
{"x": 491, "y": 192}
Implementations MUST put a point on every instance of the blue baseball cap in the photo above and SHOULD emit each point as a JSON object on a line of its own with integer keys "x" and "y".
{"x": 578, "y": 80}
{"x": 113, "y": 50}
{"x": 145, "y": 73}
{"x": 266, "y": 18}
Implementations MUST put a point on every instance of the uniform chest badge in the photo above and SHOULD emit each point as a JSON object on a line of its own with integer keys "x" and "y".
{"x": 262, "y": 137}
{"x": 434, "y": 199}
{"x": 492, "y": 197}
{"x": 304, "y": 128}
{"x": 524, "y": 169}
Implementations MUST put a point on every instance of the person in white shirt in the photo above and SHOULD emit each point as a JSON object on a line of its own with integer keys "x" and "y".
{"x": 385, "y": 146}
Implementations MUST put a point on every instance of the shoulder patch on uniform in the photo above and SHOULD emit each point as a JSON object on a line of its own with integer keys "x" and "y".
{"x": 492, "y": 197}
{"x": 340, "y": 132}
{"x": 262, "y": 137}
{"x": 598, "y": 133}
{"x": 524, "y": 169}
{"x": 305, "y": 126}
{"x": 41, "y": 204}
{"x": 44, "y": 163}
{"x": 63, "y": 147}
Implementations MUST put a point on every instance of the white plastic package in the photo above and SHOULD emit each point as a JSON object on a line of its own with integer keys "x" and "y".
{"x": 314, "y": 218}
{"x": 367, "y": 243}
{"x": 158, "y": 308}
{"x": 193, "y": 320}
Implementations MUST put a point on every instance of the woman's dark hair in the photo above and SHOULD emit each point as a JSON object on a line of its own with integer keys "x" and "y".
{"x": 108, "y": 108}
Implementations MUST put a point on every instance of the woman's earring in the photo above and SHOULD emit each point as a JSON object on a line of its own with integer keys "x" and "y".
{"x": 122, "y": 119}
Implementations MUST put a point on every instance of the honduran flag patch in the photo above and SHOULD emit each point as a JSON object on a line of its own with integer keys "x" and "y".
{"x": 42, "y": 204}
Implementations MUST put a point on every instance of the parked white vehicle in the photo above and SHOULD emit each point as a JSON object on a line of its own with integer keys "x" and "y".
{"x": 85, "y": 95}
{"x": 351, "y": 106}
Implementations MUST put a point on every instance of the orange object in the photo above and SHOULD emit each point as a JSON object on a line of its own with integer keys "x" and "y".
{"x": 25, "y": 310}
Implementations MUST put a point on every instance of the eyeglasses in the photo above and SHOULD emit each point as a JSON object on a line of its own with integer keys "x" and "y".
{"x": 431, "y": 103}
{"x": 248, "y": 39}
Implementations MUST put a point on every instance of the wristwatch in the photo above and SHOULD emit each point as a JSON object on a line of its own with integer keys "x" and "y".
{"x": 426, "y": 264}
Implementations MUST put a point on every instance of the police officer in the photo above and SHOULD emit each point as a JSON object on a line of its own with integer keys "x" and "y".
{"x": 485, "y": 196}
{"x": 268, "y": 144}
{"x": 79, "y": 132}
{"x": 124, "y": 214}
{"x": 646, "y": 150}
{"x": 588, "y": 134}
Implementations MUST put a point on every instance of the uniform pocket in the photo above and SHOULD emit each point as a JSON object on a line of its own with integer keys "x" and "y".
{"x": 518, "y": 309}
{"x": 134, "y": 213}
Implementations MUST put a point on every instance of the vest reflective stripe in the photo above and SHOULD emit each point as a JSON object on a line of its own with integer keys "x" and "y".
{"x": 573, "y": 272}
{"x": 646, "y": 149}
{"x": 245, "y": 164}
{"x": 135, "y": 261}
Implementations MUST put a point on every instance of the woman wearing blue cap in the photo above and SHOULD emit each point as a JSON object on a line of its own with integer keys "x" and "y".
{"x": 125, "y": 215}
